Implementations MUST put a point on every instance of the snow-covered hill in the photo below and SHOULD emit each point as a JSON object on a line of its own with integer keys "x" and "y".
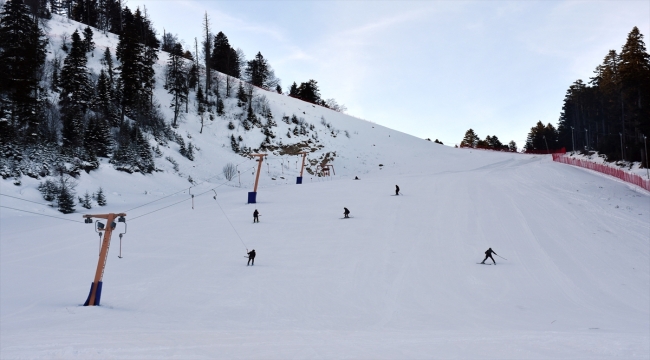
{"x": 399, "y": 280}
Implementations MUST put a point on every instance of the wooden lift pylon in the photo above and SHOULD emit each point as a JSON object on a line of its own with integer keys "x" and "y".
{"x": 302, "y": 167}
{"x": 252, "y": 196}
{"x": 96, "y": 287}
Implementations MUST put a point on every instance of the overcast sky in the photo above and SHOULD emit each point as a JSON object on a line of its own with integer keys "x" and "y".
{"x": 427, "y": 68}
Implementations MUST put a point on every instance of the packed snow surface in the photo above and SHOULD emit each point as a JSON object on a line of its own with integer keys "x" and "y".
{"x": 399, "y": 279}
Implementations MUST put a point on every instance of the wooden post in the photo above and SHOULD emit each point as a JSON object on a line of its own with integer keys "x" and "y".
{"x": 304, "y": 155}
{"x": 101, "y": 263}
{"x": 259, "y": 169}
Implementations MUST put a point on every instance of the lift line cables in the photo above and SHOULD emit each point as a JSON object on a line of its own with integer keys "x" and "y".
{"x": 180, "y": 191}
{"x": 31, "y": 212}
{"x": 178, "y": 202}
{"x": 26, "y": 200}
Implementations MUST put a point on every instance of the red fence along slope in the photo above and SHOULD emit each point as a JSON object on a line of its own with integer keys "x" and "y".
{"x": 605, "y": 169}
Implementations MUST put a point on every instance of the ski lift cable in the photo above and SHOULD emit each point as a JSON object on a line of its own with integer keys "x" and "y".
{"x": 233, "y": 227}
{"x": 31, "y": 212}
{"x": 176, "y": 203}
{"x": 35, "y": 202}
{"x": 180, "y": 191}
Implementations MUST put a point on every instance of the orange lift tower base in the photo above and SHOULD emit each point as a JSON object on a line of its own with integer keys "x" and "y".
{"x": 96, "y": 287}
{"x": 252, "y": 196}
{"x": 299, "y": 179}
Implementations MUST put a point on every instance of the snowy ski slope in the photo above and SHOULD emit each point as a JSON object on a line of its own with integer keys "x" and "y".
{"x": 397, "y": 281}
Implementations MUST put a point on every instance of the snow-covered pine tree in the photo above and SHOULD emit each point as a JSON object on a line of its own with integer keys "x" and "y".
{"x": 101, "y": 198}
{"x": 86, "y": 201}
{"x": 22, "y": 56}
{"x": 76, "y": 91}
{"x": 241, "y": 95}
{"x": 97, "y": 138}
{"x": 103, "y": 102}
{"x": 49, "y": 189}
{"x": 143, "y": 150}
{"x": 234, "y": 144}
{"x": 65, "y": 198}
{"x": 88, "y": 39}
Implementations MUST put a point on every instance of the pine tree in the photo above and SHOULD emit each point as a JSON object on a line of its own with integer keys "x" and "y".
{"x": 309, "y": 92}
{"x": 470, "y": 139}
{"x": 177, "y": 81}
{"x": 101, "y": 198}
{"x": 293, "y": 90}
{"x": 97, "y": 138}
{"x": 86, "y": 201}
{"x": 635, "y": 81}
{"x": 75, "y": 93}
{"x": 257, "y": 71}
{"x": 88, "y": 39}
{"x": 512, "y": 146}
{"x": 137, "y": 52}
{"x": 241, "y": 95}
{"x": 145, "y": 161}
{"x": 103, "y": 102}
{"x": 234, "y": 144}
{"x": 224, "y": 58}
{"x": 66, "y": 198}
{"x": 22, "y": 55}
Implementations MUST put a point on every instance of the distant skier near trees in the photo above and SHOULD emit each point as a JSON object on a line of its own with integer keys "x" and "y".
{"x": 251, "y": 258}
{"x": 256, "y": 215}
{"x": 396, "y": 190}
{"x": 346, "y": 212}
{"x": 488, "y": 254}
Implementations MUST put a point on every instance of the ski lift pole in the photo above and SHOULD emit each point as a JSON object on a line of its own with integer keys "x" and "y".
{"x": 252, "y": 196}
{"x": 96, "y": 287}
{"x": 302, "y": 168}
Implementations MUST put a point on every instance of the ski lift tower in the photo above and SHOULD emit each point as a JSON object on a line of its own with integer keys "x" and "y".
{"x": 252, "y": 196}
{"x": 299, "y": 179}
{"x": 96, "y": 287}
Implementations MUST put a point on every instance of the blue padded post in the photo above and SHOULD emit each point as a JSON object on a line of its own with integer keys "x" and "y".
{"x": 252, "y": 197}
{"x": 299, "y": 180}
{"x": 97, "y": 296}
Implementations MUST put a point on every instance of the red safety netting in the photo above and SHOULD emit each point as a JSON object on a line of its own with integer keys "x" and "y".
{"x": 605, "y": 169}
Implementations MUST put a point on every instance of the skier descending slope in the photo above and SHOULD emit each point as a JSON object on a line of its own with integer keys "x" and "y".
{"x": 346, "y": 212}
{"x": 488, "y": 254}
{"x": 256, "y": 215}
{"x": 251, "y": 258}
{"x": 396, "y": 190}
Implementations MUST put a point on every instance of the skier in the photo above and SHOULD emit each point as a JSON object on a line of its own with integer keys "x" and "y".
{"x": 256, "y": 215}
{"x": 346, "y": 212}
{"x": 396, "y": 190}
{"x": 488, "y": 254}
{"x": 356, "y": 178}
{"x": 251, "y": 258}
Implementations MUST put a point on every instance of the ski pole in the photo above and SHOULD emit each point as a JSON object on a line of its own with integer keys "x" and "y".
{"x": 500, "y": 256}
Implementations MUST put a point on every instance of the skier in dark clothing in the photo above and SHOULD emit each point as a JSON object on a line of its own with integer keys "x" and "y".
{"x": 346, "y": 212}
{"x": 396, "y": 190}
{"x": 251, "y": 258}
{"x": 256, "y": 215}
{"x": 488, "y": 254}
